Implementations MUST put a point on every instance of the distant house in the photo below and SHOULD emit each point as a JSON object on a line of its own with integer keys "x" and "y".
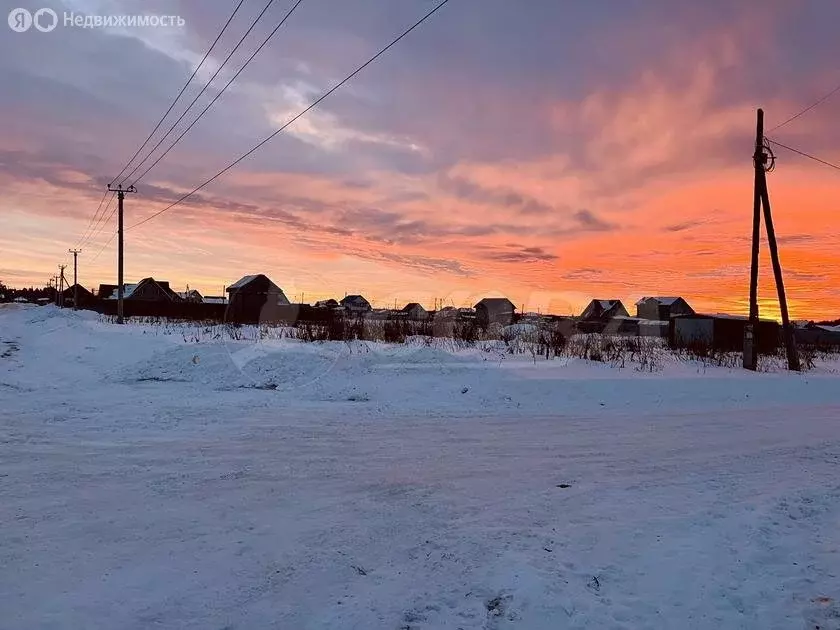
{"x": 662, "y": 308}
{"x": 452, "y": 313}
{"x": 603, "y": 316}
{"x": 603, "y": 310}
{"x": 414, "y": 311}
{"x": 331, "y": 303}
{"x": 355, "y": 305}
{"x": 721, "y": 332}
{"x": 214, "y": 299}
{"x": 255, "y": 298}
{"x": 85, "y": 296}
{"x": 495, "y": 311}
{"x": 147, "y": 290}
{"x": 822, "y": 336}
{"x": 191, "y": 295}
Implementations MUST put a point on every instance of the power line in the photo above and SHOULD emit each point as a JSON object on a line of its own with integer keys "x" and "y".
{"x": 203, "y": 89}
{"x": 806, "y": 110}
{"x": 97, "y": 228}
{"x": 92, "y": 219}
{"x": 102, "y": 249}
{"x": 303, "y": 112}
{"x": 222, "y": 91}
{"x": 192, "y": 76}
{"x": 102, "y": 226}
{"x": 803, "y": 154}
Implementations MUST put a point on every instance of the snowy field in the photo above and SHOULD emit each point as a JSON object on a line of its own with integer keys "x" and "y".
{"x": 148, "y": 481}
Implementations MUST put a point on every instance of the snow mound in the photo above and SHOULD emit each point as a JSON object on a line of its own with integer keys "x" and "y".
{"x": 280, "y": 365}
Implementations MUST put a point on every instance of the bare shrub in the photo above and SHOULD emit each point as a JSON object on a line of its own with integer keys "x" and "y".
{"x": 466, "y": 332}
{"x": 395, "y": 330}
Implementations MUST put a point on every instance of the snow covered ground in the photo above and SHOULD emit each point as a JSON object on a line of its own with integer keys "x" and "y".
{"x": 150, "y": 482}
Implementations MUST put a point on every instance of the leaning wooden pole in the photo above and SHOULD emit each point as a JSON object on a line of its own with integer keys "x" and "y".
{"x": 763, "y": 162}
{"x": 790, "y": 341}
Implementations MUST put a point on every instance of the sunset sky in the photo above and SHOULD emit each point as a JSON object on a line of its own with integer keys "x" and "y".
{"x": 548, "y": 150}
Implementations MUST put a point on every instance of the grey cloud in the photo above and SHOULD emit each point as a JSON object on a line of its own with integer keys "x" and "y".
{"x": 796, "y": 238}
{"x": 583, "y": 273}
{"x": 523, "y": 255}
{"x": 682, "y": 227}
{"x": 590, "y": 222}
{"x": 507, "y": 198}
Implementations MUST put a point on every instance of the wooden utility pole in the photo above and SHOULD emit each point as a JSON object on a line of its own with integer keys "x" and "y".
{"x": 764, "y": 161}
{"x": 75, "y": 253}
{"x": 120, "y": 286}
{"x": 790, "y": 341}
{"x": 750, "y": 344}
{"x": 61, "y": 285}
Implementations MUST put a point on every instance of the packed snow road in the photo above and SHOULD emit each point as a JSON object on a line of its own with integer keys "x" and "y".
{"x": 142, "y": 486}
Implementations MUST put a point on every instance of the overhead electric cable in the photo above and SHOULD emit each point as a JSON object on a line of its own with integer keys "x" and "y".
{"x": 303, "y": 112}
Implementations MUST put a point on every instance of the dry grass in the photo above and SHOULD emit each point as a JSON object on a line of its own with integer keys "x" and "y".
{"x": 544, "y": 341}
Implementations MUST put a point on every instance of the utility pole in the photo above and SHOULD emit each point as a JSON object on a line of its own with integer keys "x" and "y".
{"x": 75, "y": 253}
{"x": 750, "y": 349}
{"x": 120, "y": 288}
{"x": 764, "y": 162}
{"x": 61, "y": 285}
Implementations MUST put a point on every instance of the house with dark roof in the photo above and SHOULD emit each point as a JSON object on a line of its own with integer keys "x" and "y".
{"x": 662, "y": 308}
{"x": 603, "y": 310}
{"x": 147, "y": 290}
{"x": 355, "y": 305}
{"x": 255, "y": 298}
{"x": 602, "y": 316}
{"x": 85, "y": 296}
{"x": 414, "y": 311}
{"x": 330, "y": 303}
{"x": 495, "y": 311}
{"x": 191, "y": 295}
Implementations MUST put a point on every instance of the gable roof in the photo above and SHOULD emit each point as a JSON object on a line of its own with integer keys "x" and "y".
{"x": 411, "y": 306}
{"x": 496, "y": 302}
{"x": 601, "y": 308}
{"x": 130, "y": 288}
{"x": 664, "y": 301}
{"x": 244, "y": 281}
{"x": 188, "y": 294}
{"x": 82, "y": 291}
{"x": 354, "y": 299}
